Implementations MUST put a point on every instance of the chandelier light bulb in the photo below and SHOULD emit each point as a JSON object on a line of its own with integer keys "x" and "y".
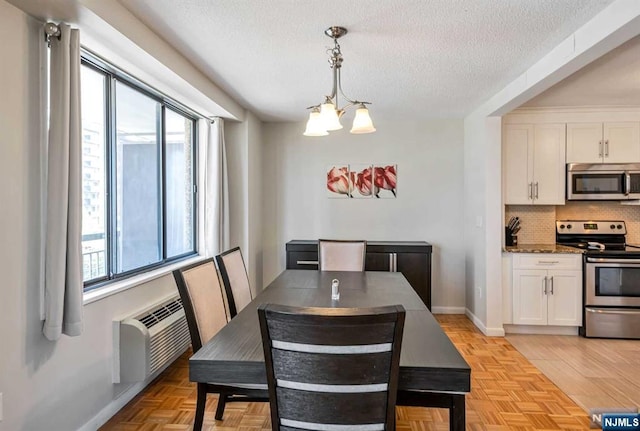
{"x": 329, "y": 116}
{"x": 315, "y": 126}
{"x": 362, "y": 122}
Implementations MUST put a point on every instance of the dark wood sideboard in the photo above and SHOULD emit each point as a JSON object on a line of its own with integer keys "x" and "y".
{"x": 411, "y": 258}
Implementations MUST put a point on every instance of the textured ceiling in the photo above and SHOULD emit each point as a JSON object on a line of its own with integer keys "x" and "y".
{"x": 412, "y": 59}
{"x": 613, "y": 79}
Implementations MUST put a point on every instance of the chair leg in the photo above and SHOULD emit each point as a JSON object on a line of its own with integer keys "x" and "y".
{"x": 222, "y": 400}
{"x": 200, "y": 404}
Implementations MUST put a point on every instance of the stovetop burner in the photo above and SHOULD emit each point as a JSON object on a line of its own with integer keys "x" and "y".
{"x": 597, "y": 238}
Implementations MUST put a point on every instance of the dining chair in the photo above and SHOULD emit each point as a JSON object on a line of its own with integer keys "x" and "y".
{"x": 204, "y": 307}
{"x": 341, "y": 255}
{"x": 235, "y": 279}
{"x": 332, "y": 368}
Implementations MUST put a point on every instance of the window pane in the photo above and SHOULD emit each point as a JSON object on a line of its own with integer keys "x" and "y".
{"x": 138, "y": 239}
{"x": 179, "y": 184}
{"x": 93, "y": 175}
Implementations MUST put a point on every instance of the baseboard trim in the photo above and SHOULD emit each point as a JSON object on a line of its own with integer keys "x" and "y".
{"x": 447, "y": 310}
{"x": 539, "y": 329}
{"x": 113, "y": 407}
{"x": 125, "y": 397}
{"x": 489, "y": 332}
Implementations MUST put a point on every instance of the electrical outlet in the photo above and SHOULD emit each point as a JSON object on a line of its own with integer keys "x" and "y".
{"x": 479, "y": 291}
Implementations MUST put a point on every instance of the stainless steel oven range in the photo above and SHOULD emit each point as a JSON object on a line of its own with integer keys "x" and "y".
{"x": 611, "y": 276}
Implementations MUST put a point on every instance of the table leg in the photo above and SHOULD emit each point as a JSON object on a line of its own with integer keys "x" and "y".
{"x": 454, "y": 402}
{"x": 457, "y": 413}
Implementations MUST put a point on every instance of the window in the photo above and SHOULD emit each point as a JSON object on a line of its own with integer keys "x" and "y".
{"x": 138, "y": 170}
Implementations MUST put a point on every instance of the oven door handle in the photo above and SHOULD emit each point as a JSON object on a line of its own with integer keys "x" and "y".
{"x": 609, "y": 260}
{"x": 612, "y": 311}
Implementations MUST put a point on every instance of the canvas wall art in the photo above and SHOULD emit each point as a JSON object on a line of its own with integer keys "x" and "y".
{"x": 362, "y": 181}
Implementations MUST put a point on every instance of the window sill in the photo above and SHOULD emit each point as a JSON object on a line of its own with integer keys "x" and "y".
{"x": 122, "y": 285}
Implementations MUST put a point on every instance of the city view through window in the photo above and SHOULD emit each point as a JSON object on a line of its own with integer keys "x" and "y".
{"x": 138, "y": 207}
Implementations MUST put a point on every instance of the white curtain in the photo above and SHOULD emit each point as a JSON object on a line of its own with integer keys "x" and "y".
{"x": 63, "y": 250}
{"x": 216, "y": 190}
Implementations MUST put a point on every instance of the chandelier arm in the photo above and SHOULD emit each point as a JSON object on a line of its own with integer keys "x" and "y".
{"x": 351, "y": 102}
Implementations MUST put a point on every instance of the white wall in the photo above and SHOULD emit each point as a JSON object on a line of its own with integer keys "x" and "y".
{"x": 428, "y": 207}
{"x": 244, "y": 160}
{"x": 255, "y": 204}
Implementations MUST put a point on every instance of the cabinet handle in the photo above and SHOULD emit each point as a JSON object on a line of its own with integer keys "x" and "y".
{"x": 600, "y": 149}
{"x": 536, "y": 190}
{"x": 606, "y": 148}
{"x": 306, "y": 262}
{"x": 548, "y": 262}
{"x": 393, "y": 262}
{"x": 552, "y": 284}
{"x": 544, "y": 285}
{"x": 531, "y": 191}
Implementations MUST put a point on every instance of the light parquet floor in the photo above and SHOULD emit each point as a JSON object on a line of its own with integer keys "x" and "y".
{"x": 594, "y": 373}
{"x": 507, "y": 393}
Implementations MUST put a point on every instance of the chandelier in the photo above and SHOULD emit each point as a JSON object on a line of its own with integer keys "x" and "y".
{"x": 325, "y": 117}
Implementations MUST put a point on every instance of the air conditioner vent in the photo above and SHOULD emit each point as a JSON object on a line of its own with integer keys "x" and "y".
{"x": 149, "y": 340}
{"x": 157, "y": 316}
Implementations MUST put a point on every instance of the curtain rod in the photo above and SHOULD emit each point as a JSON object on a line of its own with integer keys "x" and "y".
{"x": 51, "y": 29}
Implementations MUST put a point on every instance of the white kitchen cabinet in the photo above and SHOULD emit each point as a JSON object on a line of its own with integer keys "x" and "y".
{"x": 613, "y": 142}
{"x": 547, "y": 289}
{"x": 534, "y": 164}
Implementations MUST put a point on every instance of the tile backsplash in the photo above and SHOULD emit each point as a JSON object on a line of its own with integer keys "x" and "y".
{"x": 538, "y": 221}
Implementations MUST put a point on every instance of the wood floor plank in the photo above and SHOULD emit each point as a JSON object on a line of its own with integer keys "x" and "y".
{"x": 508, "y": 392}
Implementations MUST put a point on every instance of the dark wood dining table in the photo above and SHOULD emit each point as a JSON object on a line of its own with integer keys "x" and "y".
{"x": 432, "y": 371}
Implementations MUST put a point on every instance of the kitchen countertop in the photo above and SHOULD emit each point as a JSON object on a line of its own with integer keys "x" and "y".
{"x": 541, "y": 248}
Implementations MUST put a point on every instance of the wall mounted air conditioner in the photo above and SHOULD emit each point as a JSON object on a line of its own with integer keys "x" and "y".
{"x": 145, "y": 343}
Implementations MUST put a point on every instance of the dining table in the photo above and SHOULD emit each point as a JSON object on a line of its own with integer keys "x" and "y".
{"x": 432, "y": 371}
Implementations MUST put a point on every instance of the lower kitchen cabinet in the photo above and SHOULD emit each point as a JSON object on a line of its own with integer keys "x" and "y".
{"x": 547, "y": 290}
{"x": 411, "y": 258}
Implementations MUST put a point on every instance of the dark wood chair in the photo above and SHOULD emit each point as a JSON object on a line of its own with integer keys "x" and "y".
{"x": 204, "y": 307}
{"x": 341, "y": 255}
{"x": 235, "y": 279}
{"x": 332, "y": 368}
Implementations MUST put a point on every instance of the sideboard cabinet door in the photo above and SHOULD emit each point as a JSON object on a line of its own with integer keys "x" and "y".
{"x": 416, "y": 267}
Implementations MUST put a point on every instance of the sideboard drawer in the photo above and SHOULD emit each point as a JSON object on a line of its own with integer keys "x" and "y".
{"x": 302, "y": 260}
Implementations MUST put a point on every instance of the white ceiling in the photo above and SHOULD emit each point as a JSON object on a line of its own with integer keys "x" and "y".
{"x": 412, "y": 59}
{"x": 611, "y": 80}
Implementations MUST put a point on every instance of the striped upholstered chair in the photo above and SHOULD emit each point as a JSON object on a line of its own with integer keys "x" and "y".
{"x": 332, "y": 368}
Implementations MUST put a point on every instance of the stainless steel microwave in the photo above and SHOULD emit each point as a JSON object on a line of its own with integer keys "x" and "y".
{"x": 603, "y": 181}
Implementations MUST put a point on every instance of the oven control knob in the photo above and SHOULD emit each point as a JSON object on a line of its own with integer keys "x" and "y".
{"x": 619, "y": 226}
{"x": 568, "y": 226}
{"x": 561, "y": 226}
{"x": 613, "y": 226}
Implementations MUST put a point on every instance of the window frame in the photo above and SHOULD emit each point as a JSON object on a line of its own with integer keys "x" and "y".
{"x": 114, "y": 75}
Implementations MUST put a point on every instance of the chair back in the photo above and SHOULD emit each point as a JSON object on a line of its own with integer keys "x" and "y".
{"x": 235, "y": 279}
{"x": 202, "y": 299}
{"x": 332, "y": 368}
{"x": 341, "y": 255}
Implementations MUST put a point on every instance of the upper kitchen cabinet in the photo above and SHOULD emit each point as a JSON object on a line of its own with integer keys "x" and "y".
{"x": 615, "y": 142}
{"x": 534, "y": 164}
